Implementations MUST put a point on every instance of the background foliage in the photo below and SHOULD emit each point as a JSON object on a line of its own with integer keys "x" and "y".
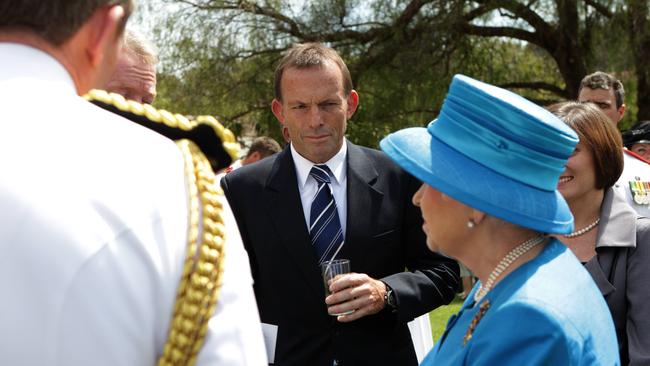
{"x": 218, "y": 56}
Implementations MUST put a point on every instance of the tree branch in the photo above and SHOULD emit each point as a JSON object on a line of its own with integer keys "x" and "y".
{"x": 536, "y": 85}
{"x": 509, "y": 32}
{"x": 602, "y": 9}
{"x": 516, "y": 7}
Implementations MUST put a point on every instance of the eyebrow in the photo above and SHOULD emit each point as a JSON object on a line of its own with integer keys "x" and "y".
{"x": 598, "y": 101}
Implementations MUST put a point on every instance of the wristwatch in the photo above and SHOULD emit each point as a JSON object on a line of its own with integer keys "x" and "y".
{"x": 389, "y": 298}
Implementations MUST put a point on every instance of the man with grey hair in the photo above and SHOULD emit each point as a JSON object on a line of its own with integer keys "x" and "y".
{"x": 607, "y": 93}
{"x": 135, "y": 74}
{"x": 97, "y": 213}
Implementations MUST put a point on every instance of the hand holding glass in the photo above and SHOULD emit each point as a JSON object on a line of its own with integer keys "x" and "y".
{"x": 331, "y": 270}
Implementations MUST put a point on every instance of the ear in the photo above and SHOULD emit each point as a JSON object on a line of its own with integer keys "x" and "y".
{"x": 276, "y": 107}
{"x": 477, "y": 216}
{"x": 621, "y": 112}
{"x": 353, "y": 103}
{"x": 253, "y": 157}
{"x": 104, "y": 26}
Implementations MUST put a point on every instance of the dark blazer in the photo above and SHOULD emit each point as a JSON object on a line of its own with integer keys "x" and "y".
{"x": 383, "y": 237}
{"x": 621, "y": 270}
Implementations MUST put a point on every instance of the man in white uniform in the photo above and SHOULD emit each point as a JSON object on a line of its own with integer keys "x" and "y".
{"x": 94, "y": 208}
{"x": 606, "y": 92}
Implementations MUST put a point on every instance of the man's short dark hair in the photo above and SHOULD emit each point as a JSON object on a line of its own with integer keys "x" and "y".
{"x": 603, "y": 80}
{"x": 53, "y": 20}
{"x": 265, "y": 146}
{"x": 306, "y": 55}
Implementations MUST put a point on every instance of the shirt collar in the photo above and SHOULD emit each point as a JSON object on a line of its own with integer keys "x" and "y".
{"x": 336, "y": 165}
{"x": 34, "y": 64}
{"x": 617, "y": 227}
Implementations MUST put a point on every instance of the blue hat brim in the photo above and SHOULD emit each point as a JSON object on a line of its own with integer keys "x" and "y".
{"x": 452, "y": 173}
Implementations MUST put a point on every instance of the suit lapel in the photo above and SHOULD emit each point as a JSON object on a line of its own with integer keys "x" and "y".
{"x": 361, "y": 195}
{"x": 286, "y": 213}
{"x": 596, "y": 271}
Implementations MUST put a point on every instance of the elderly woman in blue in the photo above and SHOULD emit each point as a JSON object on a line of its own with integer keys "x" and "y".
{"x": 490, "y": 165}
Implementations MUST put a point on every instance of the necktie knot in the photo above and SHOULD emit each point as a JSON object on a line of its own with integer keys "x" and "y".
{"x": 321, "y": 173}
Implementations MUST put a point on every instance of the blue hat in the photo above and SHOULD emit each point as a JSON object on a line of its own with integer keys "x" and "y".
{"x": 494, "y": 151}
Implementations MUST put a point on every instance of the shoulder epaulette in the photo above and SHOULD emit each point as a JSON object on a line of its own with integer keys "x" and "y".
{"x": 196, "y": 297}
{"x": 213, "y": 139}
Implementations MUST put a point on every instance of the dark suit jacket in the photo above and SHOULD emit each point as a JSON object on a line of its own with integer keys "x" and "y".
{"x": 383, "y": 237}
{"x": 621, "y": 269}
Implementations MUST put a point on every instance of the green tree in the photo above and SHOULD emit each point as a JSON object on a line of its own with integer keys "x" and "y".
{"x": 401, "y": 53}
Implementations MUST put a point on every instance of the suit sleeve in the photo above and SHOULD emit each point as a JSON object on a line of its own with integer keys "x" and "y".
{"x": 235, "y": 202}
{"x": 432, "y": 279}
{"x": 638, "y": 297}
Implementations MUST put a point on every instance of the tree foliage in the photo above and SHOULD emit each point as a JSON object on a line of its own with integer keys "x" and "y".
{"x": 220, "y": 55}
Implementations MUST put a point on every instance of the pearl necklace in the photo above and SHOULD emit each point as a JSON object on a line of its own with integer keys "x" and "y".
{"x": 584, "y": 230}
{"x": 505, "y": 262}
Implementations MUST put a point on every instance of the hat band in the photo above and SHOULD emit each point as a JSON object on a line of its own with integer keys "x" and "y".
{"x": 491, "y": 150}
{"x": 535, "y": 136}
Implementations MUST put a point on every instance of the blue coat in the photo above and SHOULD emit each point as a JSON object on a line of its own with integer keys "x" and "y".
{"x": 546, "y": 312}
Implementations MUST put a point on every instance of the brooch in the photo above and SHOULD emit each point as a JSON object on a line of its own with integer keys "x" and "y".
{"x": 485, "y": 305}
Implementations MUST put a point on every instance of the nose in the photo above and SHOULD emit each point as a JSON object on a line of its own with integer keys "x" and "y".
{"x": 315, "y": 117}
{"x": 417, "y": 197}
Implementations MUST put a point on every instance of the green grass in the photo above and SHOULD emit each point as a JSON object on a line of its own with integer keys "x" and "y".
{"x": 439, "y": 317}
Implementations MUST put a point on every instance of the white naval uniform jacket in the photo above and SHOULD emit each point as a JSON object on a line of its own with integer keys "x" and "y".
{"x": 634, "y": 169}
{"x": 93, "y": 231}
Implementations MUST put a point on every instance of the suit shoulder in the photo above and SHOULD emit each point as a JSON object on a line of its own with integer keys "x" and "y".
{"x": 380, "y": 158}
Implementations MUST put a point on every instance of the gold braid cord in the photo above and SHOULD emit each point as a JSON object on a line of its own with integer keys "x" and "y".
{"x": 196, "y": 298}
{"x": 197, "y": 292}
{"x": 173, "y": 120}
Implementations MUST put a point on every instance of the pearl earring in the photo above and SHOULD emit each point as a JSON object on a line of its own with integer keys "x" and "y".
{"x": 471, "y": 223}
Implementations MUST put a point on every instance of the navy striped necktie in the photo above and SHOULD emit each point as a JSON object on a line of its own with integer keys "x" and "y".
{"x": 324, "y": 224}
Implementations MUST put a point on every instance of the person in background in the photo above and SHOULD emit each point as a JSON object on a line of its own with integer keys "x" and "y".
{"x": 608, "y": 94}
{"x": 95, "y": 220}
{"x": 637, "y": 139}
{"x": 261, "y": 148}
{"x": 135, "y": 74}
{"x": 323, "y": 197}
{"x": 490, "y": 166}
{"x": 612, "y": 242}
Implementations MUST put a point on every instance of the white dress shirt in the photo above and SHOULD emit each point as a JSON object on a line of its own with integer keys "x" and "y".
{"x": 308, "y": 186}
{"x": 93, "y": 232}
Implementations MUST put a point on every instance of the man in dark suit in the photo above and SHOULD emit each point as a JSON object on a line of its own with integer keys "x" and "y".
{"x": 322, "y": 185}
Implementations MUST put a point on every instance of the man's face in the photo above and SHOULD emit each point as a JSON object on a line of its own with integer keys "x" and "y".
{"x": 605, "y": 100}
{"x": 314, "y": 110}
{"x": 642, "y": 149}
{"x": 133, "y": 79}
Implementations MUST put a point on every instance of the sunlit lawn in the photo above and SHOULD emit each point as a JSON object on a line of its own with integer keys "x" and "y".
{"x": 440, "y": 316}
